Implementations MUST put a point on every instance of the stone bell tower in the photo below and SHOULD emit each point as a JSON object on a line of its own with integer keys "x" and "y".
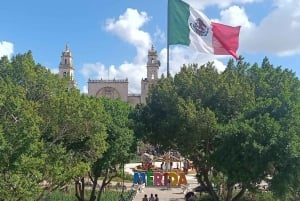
{"x": 152, "y": 73}
{"x": 66, "y": 68}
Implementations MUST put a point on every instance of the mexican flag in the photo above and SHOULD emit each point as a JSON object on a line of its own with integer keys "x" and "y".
{"x": 188, "y": 26}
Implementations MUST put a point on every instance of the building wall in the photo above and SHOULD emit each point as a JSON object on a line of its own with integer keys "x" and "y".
{"x": 134, "y": 99}
{"x": 144, "y": 90}
{"x": 109, "y": 88}
{"x": 113, "y": 88}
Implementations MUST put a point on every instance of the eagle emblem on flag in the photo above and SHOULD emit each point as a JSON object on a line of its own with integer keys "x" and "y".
{"x": 199, "y": 27}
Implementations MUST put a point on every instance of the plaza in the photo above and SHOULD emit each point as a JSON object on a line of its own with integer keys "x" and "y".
{"x": 164, "y": 193}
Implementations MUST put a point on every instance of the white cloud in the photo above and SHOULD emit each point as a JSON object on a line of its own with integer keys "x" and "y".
{"x": 159, "y": 36}
{"x": 180, "y": 55}
{"x": 54, "y": 70}
{"x": 128, "y": 27}
{"x": 93, "y": 71}
{"x": 235, "y": 16}
{"x": 85, "y": 89}
{"x": 132, "y": 72}
{"x": 277, "y": 33}
{"x": 6, "y": 48}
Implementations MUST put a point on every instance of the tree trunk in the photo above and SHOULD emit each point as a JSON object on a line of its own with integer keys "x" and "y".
{"x": 210, "y": 188}
{"x": 94, "y": 186}
{"x": 104, "y": 183}
{"x": 100, "y": 193}
{"x": 229, "y": 192}
{"x": 79, "y": 189}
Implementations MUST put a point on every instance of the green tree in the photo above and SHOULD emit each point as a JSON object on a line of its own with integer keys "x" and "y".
{"x": 22, "y": 151}
{"x": 265, "y": 138}
{"x": 240, "y": 126}
{"x": 70, "y": 127}
{"x": 120, "y": 139}
{"x": 75, "y": 127}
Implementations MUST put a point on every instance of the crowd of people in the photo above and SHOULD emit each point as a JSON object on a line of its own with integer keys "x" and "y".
{"x": 168, "y": 166}
{"x": 151, "y": 198}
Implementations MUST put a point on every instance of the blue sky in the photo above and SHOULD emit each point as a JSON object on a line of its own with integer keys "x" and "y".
{"x": 110, "y": 39}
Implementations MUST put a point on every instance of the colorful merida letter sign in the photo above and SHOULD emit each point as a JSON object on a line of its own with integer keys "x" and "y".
{"x": 151, "y": 178}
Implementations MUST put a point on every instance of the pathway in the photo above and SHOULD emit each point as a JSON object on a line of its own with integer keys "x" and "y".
{"x": 172, "y": 194}
{"x": 164, "y": 194}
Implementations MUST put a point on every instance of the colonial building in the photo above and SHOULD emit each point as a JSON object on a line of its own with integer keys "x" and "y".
{"x": 66, "y": 68}
{"x": 115, "y": 88}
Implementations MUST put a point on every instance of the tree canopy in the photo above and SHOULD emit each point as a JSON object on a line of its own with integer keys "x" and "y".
{"x": 239, "y": 126}
{"x": 51, "y": 135}
{"x": 120, "y": 139}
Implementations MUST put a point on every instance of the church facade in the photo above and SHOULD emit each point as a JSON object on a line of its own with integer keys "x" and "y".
{"x": 115, "y": 88}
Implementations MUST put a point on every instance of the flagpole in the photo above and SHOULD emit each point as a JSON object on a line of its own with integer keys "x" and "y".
{"x": 168, "y": 70}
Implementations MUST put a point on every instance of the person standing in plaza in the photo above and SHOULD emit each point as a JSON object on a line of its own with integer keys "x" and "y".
{"x": 169, "y": 183}
{"x": 140, "y": 184}
{"x": 151, "y": 198}
{"x": 190, "y": 196}
{"x": 156, "y": 198}
{"x": 145, "y": 198}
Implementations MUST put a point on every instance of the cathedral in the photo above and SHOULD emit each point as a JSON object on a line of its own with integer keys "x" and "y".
{"x": 116, "y": 88}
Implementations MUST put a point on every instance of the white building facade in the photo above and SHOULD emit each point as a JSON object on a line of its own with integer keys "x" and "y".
{"x": 114, "y": 88}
